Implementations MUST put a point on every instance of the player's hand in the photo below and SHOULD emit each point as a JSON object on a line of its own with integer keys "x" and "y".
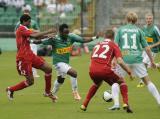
{"x": 153, "y": 65}
{"x": 132, "y": 77}
{"x": 114, "y": 63}
{"x": 95, "y": 37}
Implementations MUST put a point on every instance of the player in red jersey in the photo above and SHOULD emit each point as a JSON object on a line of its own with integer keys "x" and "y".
{"x": 26, "y": 59}
{"x": 100, "y": 70}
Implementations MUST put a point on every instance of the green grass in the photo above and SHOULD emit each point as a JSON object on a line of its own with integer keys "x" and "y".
{"x": 30, "y": 104}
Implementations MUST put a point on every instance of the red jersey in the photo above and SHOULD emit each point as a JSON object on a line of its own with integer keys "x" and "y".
{"x": 23, "y": 43}
{"x": 104, "y": 52}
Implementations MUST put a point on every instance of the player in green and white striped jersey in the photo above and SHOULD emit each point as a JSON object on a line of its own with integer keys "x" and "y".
{"x": 152, "y": 35}
{"x": 131, "y": 40}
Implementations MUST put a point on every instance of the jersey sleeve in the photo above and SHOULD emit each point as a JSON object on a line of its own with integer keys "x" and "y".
{"x": 157, "y": 32}
{"x": 142, "y": 39}
{"x": 48, "y": 41}
{"x": 116, "y": 50}
{"x": 17, "y": 25}
{"x": 117, "y": 37}
{"x": 76, "y": 38}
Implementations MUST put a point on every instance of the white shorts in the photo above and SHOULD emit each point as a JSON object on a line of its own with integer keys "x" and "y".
{"x": 117, "y": 71}
{"x": 62, "y": 69}
{"x": 138, "y": 70}
{"x": 146, "y": 59}
{"x": 34, "y": 48}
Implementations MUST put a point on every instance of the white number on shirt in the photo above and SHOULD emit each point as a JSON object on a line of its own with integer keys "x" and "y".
{"x": 103, "y": 53}
{"x": 126, "y": 40}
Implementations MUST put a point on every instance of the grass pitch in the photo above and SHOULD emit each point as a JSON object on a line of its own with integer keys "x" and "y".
{"x": 30, "y": 103}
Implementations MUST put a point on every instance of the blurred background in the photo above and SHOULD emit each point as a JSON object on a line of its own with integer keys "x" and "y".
{"x": 87, "y": 16}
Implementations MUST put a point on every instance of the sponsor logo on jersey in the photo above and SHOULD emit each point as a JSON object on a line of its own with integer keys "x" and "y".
{"x": 150, "y": 40}
{"x": 63, "y": 50}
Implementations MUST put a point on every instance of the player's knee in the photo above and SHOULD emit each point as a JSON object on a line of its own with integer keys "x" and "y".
{"x": 30, "y": 82}
{"x": 60, "y": 80}
{"x": 121, "y": 81}
{"x": 74, "y": 74}
{"x": 49, "y": 70}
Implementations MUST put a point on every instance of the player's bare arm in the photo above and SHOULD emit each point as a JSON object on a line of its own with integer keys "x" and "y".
{"x": 154, "y": 45}
{"x": 125, "y": 67}
{"x": 41, "y": 34}
{"x": 89, "y": 39}
{"x": 148, "y": 51}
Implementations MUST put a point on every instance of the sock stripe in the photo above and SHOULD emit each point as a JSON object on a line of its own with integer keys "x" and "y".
{"x": 48, "y": 74}
{"x": 25, "y": 82}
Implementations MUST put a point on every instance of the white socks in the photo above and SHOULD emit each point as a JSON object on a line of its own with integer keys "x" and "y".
{"x": 74, "y": 83}
{"x": 153, "y": 90}
{"x": 56, "y": 87}
{"x": 115, "y": 93}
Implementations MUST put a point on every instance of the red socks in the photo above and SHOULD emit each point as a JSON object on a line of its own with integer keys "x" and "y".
{"x": 91, "y": 93}
{"x": 19, "y": 86}
{"x": 48, "y": 83}
{"x": 124, "y": 92}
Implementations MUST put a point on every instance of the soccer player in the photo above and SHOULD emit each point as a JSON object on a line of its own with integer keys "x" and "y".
{"x": 131, "y": 40}
{"x": 101, "y": 70}
{"x": 62, "y": 44}
{"x": 152, "y": 34}
{"x": 26, "y": 59}
{"x": 33, "y": 26}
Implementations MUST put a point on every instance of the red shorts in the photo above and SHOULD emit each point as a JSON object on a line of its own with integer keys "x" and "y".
{"x": 106, "y": 74}
{"x": 24, "y": 65}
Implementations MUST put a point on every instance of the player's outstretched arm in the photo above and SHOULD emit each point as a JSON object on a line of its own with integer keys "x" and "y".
{"x": 125, "y": 67}
{"x": 148, "y": 51}
{"x": 40, "y": 35}
{"x": 154, "y": 45}
{"x": 89, "y": 39}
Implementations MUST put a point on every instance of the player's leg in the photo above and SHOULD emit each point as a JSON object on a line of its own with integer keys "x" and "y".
{"x": 39, "y": 63}
{"x": 23, "y": 68}
{"x": 152, "y": 88}
{"x": 124, "y": 93}
{"x": 35, "y": 74}
{"x": 91, "y": 92}
{"x": 117, "y": 81}
{"x": 73, "y": 79}
{"x": 48, "y": 75}
{"x": 34, "y": 49}
{"x": 57, "y": 84}
{"x": 115, "y": 96}
{"x": 61, "y": 72}
{"x": 141, "y": 72}
{"x": 147, "y": 64}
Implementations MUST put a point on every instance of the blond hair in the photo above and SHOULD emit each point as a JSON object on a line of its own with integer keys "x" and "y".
{"x": 131, "y": 17}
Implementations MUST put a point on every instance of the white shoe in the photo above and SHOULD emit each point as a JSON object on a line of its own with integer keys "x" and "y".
{"x": 114, "y": 107}
{"x": 36, "y": 76}
{"x": 76, "y": 95}
{"x": 9, "y": 94}
{"x": 50, "y": 95}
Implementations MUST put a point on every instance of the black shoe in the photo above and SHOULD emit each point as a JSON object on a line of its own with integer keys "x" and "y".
{"x": 127, "y": 108}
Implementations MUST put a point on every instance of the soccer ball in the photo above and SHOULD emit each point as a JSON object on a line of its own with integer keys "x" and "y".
{"x": 107, "y": 96}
